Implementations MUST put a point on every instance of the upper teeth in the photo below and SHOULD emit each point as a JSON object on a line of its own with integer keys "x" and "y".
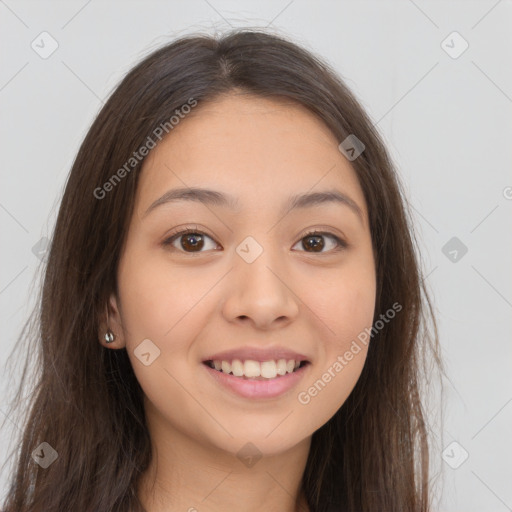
{"x": 251, "y": 368}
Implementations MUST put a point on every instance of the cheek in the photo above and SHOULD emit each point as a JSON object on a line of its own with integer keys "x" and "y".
{"x": 328, "y": 388}
{"x": 162, "y": 306}
{"x": 344, "y": 307}
{"x": 343, "y": 302}
{"x": 156, "y": 299}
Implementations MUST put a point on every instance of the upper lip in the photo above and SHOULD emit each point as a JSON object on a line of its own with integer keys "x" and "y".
{"x": 257, "y": 354}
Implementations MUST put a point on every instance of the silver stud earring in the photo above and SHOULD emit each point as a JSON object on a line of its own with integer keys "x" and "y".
{"x": 109, "y": 336}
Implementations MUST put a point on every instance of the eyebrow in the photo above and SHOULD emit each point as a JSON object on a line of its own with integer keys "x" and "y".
{"x": 219, "y": 199}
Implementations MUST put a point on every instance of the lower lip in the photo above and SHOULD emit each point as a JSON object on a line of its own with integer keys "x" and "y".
{"x": 258, "y": 388}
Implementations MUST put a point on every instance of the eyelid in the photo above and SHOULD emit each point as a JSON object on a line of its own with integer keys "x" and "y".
{"x": 180, "y": 231}
{"x": 340, "y": 239}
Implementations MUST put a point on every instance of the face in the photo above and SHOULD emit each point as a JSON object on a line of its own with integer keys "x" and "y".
{"x": 254, "y": 276}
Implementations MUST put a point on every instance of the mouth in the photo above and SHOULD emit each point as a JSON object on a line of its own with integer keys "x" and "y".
{"x": 257, "y": 380}
{"x": 255, "y": 370}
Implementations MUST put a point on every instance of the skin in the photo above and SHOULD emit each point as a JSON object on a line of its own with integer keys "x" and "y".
{"x": 192, "y": 303}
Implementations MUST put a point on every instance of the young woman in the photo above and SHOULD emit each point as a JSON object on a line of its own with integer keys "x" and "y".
{"x": 233, "y": 316}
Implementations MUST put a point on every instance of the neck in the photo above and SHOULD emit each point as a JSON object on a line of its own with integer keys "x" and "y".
{"x": 185, "y": 475}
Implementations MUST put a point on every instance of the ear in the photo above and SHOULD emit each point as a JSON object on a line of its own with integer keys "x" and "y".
{"x": 111, "y": 319}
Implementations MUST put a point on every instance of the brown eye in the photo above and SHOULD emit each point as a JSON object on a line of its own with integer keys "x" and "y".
{"x": 192, "y": 241}
{"x": 315, "y": 242}
{"x": 188, "y": 241}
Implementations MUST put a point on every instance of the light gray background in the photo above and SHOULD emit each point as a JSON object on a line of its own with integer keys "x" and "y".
{"x": 447, "y": 122}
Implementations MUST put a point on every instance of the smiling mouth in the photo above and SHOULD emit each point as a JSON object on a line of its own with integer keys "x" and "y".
{"x": 253, "y": 370}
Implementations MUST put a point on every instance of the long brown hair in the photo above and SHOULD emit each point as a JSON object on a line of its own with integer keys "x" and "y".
{"x": 85, "y": 400}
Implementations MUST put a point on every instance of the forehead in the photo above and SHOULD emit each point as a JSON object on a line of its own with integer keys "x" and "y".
{"x": 257, "y": 149}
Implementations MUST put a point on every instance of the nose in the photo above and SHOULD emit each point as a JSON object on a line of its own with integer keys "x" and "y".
{"x": 260, "y": 293}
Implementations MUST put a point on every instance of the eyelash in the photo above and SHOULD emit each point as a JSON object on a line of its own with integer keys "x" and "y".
{"x": 341, "y": 244}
